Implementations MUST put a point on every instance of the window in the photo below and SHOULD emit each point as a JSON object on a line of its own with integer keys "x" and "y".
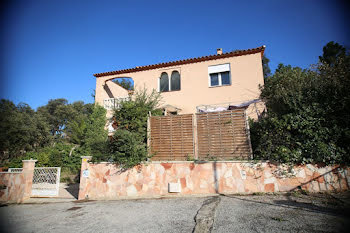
{"x": 175, "y": 81}
{"x": 219, "y": 75}
{"x": 172, "y": 84}
{"x": 164, "y": 82}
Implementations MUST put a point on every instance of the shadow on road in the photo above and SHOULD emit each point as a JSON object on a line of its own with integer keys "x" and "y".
{"x": 73, "y": 189}
{"x": 294, "y": 204}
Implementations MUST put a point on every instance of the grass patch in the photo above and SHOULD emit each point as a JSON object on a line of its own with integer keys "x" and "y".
{"x": 299, "y": 193}
{"x": 279, "y": 219}
{"x": 258, "y": 194}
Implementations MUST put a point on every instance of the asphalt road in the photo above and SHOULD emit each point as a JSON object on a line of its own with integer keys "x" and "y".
{"x": 267, "y": 213}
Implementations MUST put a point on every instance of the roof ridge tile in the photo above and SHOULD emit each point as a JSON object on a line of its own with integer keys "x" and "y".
{"x": 260, "y": 49}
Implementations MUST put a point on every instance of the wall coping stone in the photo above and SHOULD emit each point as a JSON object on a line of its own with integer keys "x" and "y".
{"x": 199, "y": 162}
{"x": 10, "y": 172}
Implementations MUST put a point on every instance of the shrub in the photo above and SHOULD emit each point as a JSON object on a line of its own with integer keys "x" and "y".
{"x": 53, "y": 156}
{"x": 307, "y": 119}
{"x": 128, "y": 146}
{"x": 127, "y": 149}
{"x": 132, "y": 115}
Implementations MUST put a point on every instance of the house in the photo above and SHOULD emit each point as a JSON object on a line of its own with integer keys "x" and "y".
{"x": 209, "y": 83}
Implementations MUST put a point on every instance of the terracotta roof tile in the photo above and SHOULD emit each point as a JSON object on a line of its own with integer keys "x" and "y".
{"x": 186, "y": 61}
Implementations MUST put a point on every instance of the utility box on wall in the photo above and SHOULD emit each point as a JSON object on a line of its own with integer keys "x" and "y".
{"x": 174, "y": 187}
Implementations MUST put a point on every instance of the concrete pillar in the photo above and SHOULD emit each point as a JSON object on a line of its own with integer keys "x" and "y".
{"x": 84, "y": 177}
{"x": 28, "y": 173}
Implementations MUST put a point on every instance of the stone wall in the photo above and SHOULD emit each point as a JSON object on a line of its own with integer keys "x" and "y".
{"x": 17, "y": 186}
{"x": 107, "y": 181}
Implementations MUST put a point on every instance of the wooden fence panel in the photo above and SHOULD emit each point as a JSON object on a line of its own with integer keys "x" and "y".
{"x": 219, "y": 135}
{"x": 171, "y": 137}
{"x": 223, "y": 135}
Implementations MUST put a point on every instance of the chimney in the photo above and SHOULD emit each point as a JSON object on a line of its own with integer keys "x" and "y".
{"x": 219, "y": 51}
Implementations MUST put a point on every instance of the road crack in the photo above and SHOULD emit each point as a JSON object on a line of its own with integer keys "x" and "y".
{"x": 205, "y": 216}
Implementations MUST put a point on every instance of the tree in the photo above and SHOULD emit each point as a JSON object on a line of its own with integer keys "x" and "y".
{"x": 63, "y": 117}
{"x": 133, "y": 114}
{"x": 284, "y": 92}
{"x": 266, "y": 68}
{"x": 128, "y": 146}
{"x": 331, "y": 52}
{"x": 56, "y": 114}
{"x": 21, "y": 130}
{"x": 307, "y": 118}
{"x": 76, "y": 126}
{"x": 95, "y": 137}
{"x": 126, "y": 83}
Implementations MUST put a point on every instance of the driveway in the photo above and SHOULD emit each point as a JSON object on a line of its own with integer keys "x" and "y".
{"x": 256, "y": 213}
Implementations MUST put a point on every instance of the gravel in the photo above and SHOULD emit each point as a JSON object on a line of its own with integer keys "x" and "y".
{"x": 266, "y": 213}
{"x": 162, "y": 215}
{"x": 278, "y": 214}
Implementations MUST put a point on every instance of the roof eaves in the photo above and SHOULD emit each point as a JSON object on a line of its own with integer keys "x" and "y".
{"x": 235, "y": 53}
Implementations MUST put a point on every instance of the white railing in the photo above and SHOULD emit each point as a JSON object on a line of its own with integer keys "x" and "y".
{"x": 46, "y": 181}
{"x": 15, "y": 170}
{"x": 113, "y": 103}
{"x": 225, "y": 106}
{"x": 110, "y": 127}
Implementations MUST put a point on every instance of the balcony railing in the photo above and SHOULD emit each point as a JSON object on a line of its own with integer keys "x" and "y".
{"x": 113, "y": 103}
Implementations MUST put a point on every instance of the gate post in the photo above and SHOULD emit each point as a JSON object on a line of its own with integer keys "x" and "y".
{"x": 195, "y": 136}
{"x": 84, "y": 176}
{"x": 28, "y": 173}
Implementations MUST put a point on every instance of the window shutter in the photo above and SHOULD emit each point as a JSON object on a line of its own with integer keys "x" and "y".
{"x": 219, "y": 68}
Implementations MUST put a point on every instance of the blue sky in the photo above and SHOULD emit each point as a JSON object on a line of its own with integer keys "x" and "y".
{"x": 51, "y": 49}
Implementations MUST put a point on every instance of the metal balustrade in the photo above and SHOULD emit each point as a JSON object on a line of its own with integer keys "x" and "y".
{"x": 114, "y": 103}
{"x": 15, "y": 170}
{"x": 46, "y": 181}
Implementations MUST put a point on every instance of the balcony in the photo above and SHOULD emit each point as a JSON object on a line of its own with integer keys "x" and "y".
{"x": 114, "y": 103}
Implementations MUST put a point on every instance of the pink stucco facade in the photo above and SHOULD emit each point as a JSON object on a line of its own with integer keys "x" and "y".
{"x": 107, "y": 181}
{"x": 17, "y": 186}
{"x": 246, "y": 76}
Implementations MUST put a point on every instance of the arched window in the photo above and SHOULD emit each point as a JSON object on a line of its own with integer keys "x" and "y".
{"x": 175, "y": 81}
{"x": 164, "y": 82}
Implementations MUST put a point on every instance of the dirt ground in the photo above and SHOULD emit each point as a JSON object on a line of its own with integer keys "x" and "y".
{"x": 292, "y": 212}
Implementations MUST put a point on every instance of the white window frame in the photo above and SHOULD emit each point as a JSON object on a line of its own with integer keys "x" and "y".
{"x": 218, "y": 69}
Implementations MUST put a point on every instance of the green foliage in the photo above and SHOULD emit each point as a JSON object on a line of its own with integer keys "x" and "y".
{"x": 266, "y": 67}
{"x": 60, "y": 115}
{"x": 77, "y": 130}
{"x": 58, "y": 134}
{"x": 133, "y": 114}
{"x": 307, "y": 120}
{"x": 56, "y": 114}
{"x": 95, "y": 126}
{"x": 190, "y": 157}
{"x": 95, "y": 137}
{"x": 21, "y": 129}
{"x": 126, "y": 83}
{"x": 52, "y": 156}
{"x": 331, "y": 52}
{"x": 127, "y": 148}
